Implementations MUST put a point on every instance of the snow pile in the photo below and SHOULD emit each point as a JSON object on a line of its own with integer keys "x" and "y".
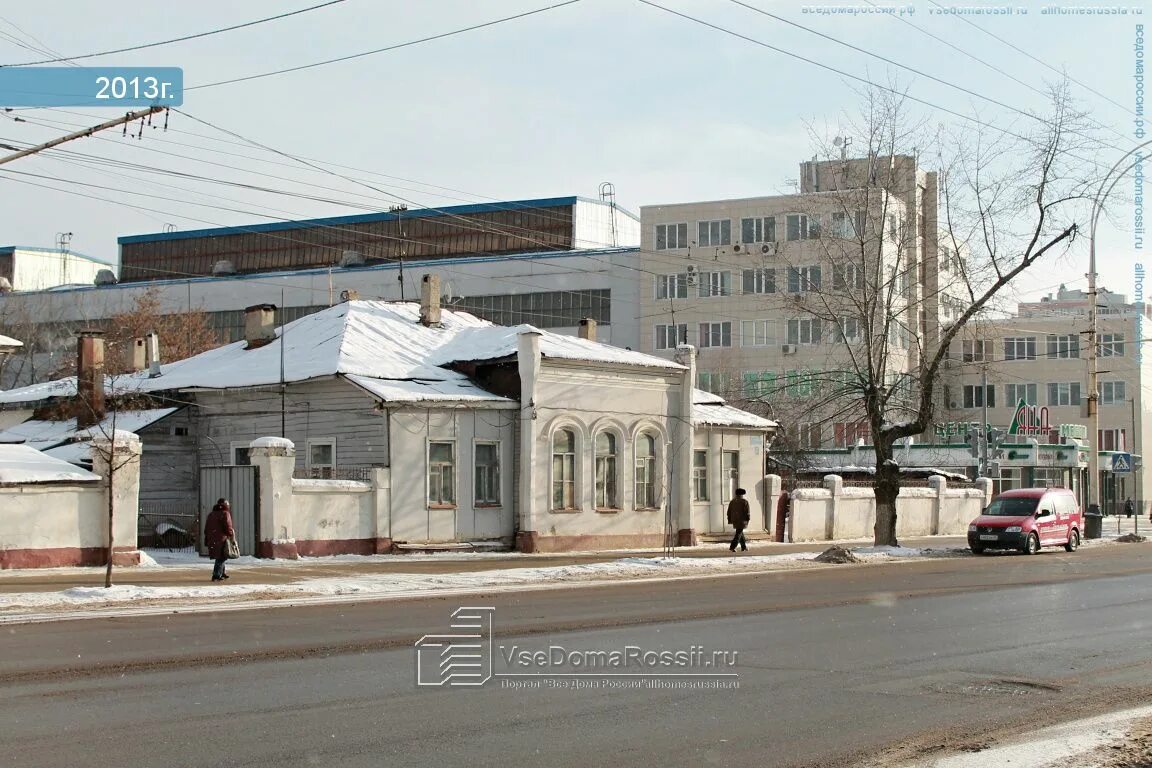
{"x": 837, "y": 555}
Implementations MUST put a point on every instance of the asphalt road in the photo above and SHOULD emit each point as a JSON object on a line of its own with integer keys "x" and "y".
{"x": 834, "y": 666}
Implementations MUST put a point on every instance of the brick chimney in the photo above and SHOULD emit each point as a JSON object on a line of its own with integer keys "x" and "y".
{"x": 430, "y": 300}
{"x": 259, "y": 325}
{"x": 89, "y": 379}
{"x": 588, "y": 329}
{"x": 139, "y": 354}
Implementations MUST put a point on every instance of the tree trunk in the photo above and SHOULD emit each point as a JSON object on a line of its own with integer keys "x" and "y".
{"x": 886, "y": 488}
{"x": 111, "y": 504}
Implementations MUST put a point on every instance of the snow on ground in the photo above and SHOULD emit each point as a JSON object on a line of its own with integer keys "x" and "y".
{"x": 1085, "y": 743}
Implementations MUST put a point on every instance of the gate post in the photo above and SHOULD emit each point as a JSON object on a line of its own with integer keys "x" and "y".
{"x": 274, "y": 459}
{"x": 117, "y": 455}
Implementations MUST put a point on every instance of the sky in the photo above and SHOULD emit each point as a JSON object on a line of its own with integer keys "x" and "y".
{"x": 552, "y": 104}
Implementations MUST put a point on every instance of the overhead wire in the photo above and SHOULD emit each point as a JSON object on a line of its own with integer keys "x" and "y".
{"x": 143, "y": 46}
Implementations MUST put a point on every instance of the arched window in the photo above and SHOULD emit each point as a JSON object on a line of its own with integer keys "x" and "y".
{"x": 645, "y": 471}
{"x": 564, "y": 469}
{"x": 606, "y": 471}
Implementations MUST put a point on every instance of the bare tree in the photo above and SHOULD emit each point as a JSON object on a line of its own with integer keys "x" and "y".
{"x": 911, "y": 257}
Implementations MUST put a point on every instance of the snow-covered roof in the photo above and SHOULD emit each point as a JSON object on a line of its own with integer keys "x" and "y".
{"x": 374, "y": 343}
{"x": 8, "y": 341}
{"x": 43, "y": 435}
{"x": 711, "y": 409}
{"x": 21, "y": 464}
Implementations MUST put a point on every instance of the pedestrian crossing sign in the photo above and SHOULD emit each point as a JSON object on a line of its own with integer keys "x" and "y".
{"x": 1121, "y": 463}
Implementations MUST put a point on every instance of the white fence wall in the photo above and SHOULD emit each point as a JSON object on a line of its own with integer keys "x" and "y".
{"x": 835, "y": 512}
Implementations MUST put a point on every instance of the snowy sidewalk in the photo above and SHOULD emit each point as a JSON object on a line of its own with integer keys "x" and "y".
{"x": 357, "y": 584}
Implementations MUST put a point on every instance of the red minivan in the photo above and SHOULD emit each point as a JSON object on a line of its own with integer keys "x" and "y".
{"x": 1027, "y": 519}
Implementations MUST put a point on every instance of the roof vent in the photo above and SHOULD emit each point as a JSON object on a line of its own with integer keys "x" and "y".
{"x": 105, "y": 277}
{"x": 223, "y": 267}
{"x": 352, "y": 259}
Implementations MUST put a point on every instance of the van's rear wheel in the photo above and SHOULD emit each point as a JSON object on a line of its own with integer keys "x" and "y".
{"x": 1032, "y": 545}
{"x": 1073, "y": 541}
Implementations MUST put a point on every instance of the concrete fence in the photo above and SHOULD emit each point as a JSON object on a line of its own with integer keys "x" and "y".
{"x": 835, "y": 512}
{"x": 55, "y": 523}
{"x": 317, "y": 517}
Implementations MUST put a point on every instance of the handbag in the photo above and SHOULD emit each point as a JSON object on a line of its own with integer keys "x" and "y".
{"x": 231, "y": 548}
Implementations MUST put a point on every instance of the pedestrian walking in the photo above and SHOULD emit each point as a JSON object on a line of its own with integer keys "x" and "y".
{"x": 739, "y": 515}
{"x": 217, "y": 531}
{"x": 1129, "y": 508}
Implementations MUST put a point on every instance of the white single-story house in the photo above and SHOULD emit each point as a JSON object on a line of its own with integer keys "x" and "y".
{"x": 459, "y": 430}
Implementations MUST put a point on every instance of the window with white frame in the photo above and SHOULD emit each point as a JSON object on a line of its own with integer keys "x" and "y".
{"x": 1111, "y": 345}
{"x": 699, "y": 475}
{"x": 672, "y": 286}
{"x": 730, "y": 469}
{"x": 713, "y": 233}
{"x": 801, "y": 279}
{"x": 1111, "y": 392}
{"x": 844, "y": 226}
{"x": 564, "y": 469}
{"x": 442, "y": 473}
{"x": 240, "y": 454}
{"x": 846, "y": 434}
{"x": 1064, "y": 393}
{"x": 606, "y": 475}
{"x": 975, "y": 396}
{"x": 716, "y": 382}
{"x": 716, "y": 334}
{"x": 974, "y": 350}
{"x": 796, "y": 226}
{"x": 804, "y": 330}
{"x": 848, "y": 329}
{"x": 759, "y": 384}
{"x": 1112, "y": 439}
{"x": 486, "y": 475}
{"x": 715, "y": 284}
{"x": 1017, "y": 392}
{"x": 321, "y": 457}
{"x": 759, "y": 281}
{"x": 847, "y": 277}
{"x": 1063, "y": 347}
{"x": 670, "y": 336}
{"x": 1020, "y": 348}
{"x": 646, "y": 471}
{"x": 758, "y": 230}
{"x": 757, "y": 333}
{"x": 671, "y": 236}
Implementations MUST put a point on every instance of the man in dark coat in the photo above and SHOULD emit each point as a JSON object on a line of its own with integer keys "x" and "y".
{"x": 217, "y": 530}
{"x": 739, "y": 515}
{"x": 1129, "y": 508}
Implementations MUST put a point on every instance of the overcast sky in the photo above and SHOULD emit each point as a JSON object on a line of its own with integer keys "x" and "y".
{"x": 552, "y": 104}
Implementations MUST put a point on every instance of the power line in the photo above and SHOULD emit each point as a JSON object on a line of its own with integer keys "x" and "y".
{"x": 1038, "y": 61}
{"x": 914, "y": 70}
{"x": 173, "y": 40}
{"x": 395, "y": 47}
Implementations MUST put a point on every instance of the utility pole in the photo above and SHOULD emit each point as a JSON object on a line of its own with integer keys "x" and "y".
{"x": 81, "y": 134}
{"x": 984, "y": 420}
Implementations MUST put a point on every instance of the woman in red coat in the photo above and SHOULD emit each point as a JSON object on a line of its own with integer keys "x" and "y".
{"x": 217, "y": 530}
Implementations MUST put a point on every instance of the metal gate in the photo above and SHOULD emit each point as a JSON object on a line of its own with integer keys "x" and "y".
{"x": 240, "y": 485}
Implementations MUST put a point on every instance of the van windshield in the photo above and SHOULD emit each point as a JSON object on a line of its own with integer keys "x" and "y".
{"x": 1012, "y": 507}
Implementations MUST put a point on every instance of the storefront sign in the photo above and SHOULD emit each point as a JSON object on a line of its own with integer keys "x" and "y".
{"x": 1029, "y": 420}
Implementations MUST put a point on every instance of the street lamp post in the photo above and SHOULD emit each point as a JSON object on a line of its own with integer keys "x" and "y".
{"x": 1093, "y": 372}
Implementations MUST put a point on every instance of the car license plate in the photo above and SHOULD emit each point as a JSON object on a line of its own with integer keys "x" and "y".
{"x": 989, "y": 537}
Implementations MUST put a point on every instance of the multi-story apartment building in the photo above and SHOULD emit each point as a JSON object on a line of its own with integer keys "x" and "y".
{"x": 1039, "y": 358}
{"x": 780, "y": 293}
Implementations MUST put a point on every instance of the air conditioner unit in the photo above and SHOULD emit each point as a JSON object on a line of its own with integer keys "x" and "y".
{"x": 788, "y": 349}
{"x": 691, "y": 276}
{"x": 768, "y": 249}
